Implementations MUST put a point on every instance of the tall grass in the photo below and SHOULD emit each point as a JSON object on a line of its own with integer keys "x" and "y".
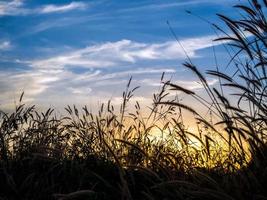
{"x": 113, "y": 154}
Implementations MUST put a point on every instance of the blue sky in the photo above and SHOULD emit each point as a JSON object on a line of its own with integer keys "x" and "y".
{"x": 83, "y": 52}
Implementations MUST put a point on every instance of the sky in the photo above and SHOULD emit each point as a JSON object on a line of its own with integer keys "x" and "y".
{"x": 84, "y": 52}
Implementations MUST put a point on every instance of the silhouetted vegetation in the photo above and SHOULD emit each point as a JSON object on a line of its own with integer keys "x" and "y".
{"x": 112, "y": 154}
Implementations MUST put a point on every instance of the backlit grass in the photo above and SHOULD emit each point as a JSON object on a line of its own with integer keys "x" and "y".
{"x": 126, "y": 154}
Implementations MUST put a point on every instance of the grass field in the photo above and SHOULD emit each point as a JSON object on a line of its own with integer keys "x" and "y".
{"x": 113, "y": 154}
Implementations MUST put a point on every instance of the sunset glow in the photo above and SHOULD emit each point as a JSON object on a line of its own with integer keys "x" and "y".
{"x": 131, "y": 100}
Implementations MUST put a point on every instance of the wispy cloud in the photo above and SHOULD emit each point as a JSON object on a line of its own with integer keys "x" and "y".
{"x": 12, "y": 7}
{"x": 98, "y": 76}
{"x": 124, "y": 51}
{"x": 194, "y": 85}
{"x": 5, "y": 45}
{"x": 188, "y": 84}
{"x": 63, "y": 8}
{"x": 35, "y": 82}
{"x": 52, "y": 83}
{"x": 17, "y": 7}
{"x": 54, "y": 76}
{"x": 62, "y": 22}
{"x": 168, "y": 5}
{"x": 13, "y": 83}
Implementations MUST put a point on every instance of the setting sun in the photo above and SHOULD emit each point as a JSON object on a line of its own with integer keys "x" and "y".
{"x": 133, "y": 100}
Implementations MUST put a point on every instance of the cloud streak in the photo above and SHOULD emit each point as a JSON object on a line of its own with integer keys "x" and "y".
{"x": 160, "y": 6}
{"x": 11, "y": 8}
{"x": 63, "y": 8}
{"x": 193, "y": 85}
{"x": 103, "y": 66}
{"x": 17, "y": 7}
{"x": 111, "y": 54}
{"x": 5, "y": 45}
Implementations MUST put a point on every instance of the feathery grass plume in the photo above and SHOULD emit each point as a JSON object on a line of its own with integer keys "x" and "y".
{"x": 125, "y": 154}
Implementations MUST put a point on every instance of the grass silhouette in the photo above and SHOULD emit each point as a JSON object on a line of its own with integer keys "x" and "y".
{"x": 111, "y": 155}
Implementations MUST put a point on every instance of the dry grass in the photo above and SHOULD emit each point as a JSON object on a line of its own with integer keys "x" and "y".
{"x": 112, "y": 155}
